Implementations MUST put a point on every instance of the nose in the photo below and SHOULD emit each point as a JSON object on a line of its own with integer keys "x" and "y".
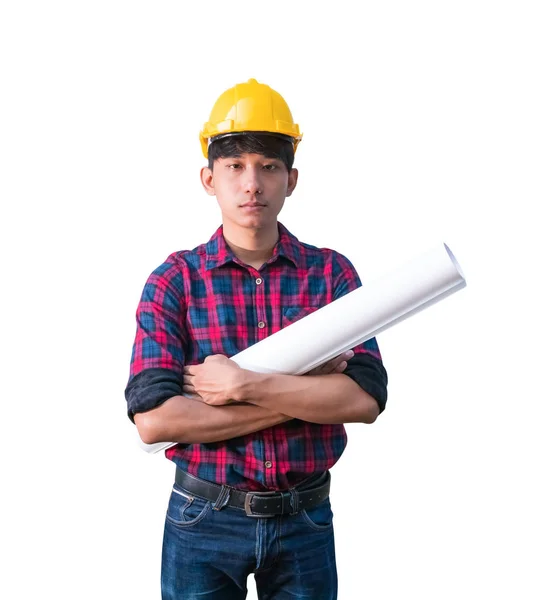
{"x": 253, "y": 183}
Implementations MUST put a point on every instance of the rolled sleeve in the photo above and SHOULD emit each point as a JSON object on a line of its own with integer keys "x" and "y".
{"x": 369, "y": 373}
{"x": 157, "y": 358}
{"x": 366, "y": 367}
{"x": 150, "y": 388}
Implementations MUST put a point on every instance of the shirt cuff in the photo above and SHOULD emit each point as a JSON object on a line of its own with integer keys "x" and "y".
{"x": 369, "y": 373}
{"x": 150, "y": 388}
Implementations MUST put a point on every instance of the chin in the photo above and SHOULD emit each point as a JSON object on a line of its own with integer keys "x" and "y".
{"x": 255, "y": 222}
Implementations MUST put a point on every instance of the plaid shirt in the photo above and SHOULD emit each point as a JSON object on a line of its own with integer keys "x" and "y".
{"x": 206, "y": 301}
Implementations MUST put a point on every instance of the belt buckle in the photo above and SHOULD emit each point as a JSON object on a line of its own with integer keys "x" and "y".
{"x": 249, "y": 511}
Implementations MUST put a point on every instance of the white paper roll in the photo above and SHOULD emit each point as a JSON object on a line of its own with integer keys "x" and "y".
{"x": 352, "y": 319}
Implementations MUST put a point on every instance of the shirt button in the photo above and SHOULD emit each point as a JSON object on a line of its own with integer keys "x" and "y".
{"x": 261, "y": 324}
{"x": 268, "y": 464}
{"x": 258, "y": 281}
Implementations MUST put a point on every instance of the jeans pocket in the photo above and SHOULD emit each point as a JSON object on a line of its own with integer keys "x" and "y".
{"x": 185, "y": 510}
{"x": 319, "y": 517}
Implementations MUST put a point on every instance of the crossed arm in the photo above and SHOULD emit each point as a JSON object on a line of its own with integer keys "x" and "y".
{"x": 229, "y": 402}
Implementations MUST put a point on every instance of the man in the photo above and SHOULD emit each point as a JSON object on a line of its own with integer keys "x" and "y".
{"x": 251, "y": 492}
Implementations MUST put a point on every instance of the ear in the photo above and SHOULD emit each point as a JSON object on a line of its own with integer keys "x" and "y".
{"x": 293, "y": 179}
{"x": 207, "y": 181}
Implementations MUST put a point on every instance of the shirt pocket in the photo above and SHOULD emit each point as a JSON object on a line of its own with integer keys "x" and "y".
{"x": 291, "y": 314}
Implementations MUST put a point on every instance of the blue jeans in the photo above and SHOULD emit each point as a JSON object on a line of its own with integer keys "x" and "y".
{"x": 208, "y": 554}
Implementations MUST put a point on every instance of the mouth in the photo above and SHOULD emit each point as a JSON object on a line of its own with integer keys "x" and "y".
{"x": 253, "y": 206}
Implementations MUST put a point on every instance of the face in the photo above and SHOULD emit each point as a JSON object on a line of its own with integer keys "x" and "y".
{"x": 250, "y": 189}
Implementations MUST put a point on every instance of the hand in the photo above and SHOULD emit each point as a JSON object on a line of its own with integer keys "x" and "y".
{"x": 336, "y": 365}
{"x": 214, "y": 381}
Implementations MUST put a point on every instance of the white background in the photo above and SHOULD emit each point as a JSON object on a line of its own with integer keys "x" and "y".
{"x": 423, "y": 122}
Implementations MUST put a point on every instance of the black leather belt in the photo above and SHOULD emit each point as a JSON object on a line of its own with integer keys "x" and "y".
{"x": 258, "y": 504}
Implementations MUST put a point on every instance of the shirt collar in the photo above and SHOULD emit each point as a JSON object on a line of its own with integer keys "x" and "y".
{"x": 219, "y": 253}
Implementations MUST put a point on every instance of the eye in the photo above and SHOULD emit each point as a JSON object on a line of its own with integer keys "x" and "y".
{"x": 270, "y": 167}
{"x": 234, "y": 166}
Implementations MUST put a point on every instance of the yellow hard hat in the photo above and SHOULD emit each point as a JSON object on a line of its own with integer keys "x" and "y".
{"x": 250, "y": 106}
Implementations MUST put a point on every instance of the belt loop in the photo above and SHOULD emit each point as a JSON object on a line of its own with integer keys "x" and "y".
{"x": 223, "y": 498}
{"x": 284, "y": 504}
{"x": 295, "y": 501}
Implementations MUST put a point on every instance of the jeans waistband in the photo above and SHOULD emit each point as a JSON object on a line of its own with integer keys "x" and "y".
{"x": 306, "y": 495}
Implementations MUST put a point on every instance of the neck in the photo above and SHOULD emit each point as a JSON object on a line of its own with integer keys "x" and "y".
{"x": 252, "y": 246}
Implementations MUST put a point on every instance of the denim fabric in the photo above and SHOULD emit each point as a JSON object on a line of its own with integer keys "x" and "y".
{"x": 208, "y": 554}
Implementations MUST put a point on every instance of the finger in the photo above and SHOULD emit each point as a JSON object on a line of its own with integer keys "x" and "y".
{"x": 338, "y": 364}
{"x": 316, "y": 371}
{"x": 326, "y": 368}
{"x": 331, "y": 366}
{"x": 189, "y": 389}
{"x": 347, "y": 355}
{"x": 189, "y": 370}
{"x": 215, "y": 357}
{"x": 341, "y": 358}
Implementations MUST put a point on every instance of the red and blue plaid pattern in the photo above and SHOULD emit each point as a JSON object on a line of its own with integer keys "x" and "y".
{"x": 206, "y": 301}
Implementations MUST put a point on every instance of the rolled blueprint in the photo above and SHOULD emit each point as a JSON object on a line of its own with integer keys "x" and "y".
{"x": 352, "y": 319}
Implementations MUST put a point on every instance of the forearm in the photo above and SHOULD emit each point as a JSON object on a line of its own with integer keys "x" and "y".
{"x": 319, "y": 399}
{"x": 188, "y": 420}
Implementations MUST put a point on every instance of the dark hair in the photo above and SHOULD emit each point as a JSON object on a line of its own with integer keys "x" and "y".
{"x": 270, "y": 146}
